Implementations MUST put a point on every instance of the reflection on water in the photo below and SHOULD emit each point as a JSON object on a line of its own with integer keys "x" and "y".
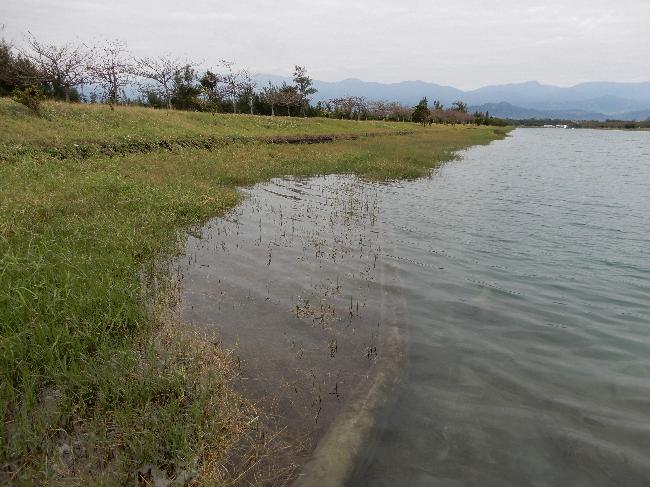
{"x": 522, "y": 274}
{"x": 292, "y": 280}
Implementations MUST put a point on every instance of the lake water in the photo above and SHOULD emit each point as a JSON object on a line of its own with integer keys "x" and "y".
{"x": 518, "y": 279}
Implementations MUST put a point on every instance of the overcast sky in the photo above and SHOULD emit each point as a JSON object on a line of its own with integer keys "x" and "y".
{"x": 463, "y": 43}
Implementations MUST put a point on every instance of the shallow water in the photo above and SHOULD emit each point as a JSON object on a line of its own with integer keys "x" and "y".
{"x": 519, "y": 276}
{"x": 293, "y": 281}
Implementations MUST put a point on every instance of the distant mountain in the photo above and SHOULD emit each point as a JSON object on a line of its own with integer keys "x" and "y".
{"x": 639, "y": 116}
{"x": 507, "y": 110}
{"x": 608, "y": 98}
{"x": 408, "y": 92}
{"x": 595, "y": 99}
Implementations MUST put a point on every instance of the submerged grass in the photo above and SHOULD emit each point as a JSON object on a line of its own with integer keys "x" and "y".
{"x": 94, "y": 381}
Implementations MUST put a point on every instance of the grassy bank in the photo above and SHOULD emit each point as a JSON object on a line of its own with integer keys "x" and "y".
{"x": 96, "y": 380}
{"x": 74, "y": 130}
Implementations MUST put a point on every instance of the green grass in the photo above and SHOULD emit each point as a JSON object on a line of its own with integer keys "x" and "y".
{"x": 94, "y": 384}
{"x": 75, "y": 127}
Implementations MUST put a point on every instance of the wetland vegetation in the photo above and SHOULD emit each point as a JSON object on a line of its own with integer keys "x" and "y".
{"x": 97, "y": 381}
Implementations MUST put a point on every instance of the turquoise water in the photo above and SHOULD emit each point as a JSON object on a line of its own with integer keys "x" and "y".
{"x": 518, "y": 276}
{"x": 526, "y": 275}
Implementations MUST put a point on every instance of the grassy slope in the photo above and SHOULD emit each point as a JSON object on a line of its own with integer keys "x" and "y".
{"x": 63, "y": 124}
{"x": 89, "y": 386}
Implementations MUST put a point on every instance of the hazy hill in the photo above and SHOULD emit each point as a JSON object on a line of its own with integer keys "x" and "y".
{"x": 600, "y": 100}
{"x": 639, "y": 115}
{"x": 409, "y": 92}
{"x": 507, "y": 110}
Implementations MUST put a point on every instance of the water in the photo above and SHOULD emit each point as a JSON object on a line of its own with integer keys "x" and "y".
{"x": 294, "y": 282}
{"x": 519, "y": 281}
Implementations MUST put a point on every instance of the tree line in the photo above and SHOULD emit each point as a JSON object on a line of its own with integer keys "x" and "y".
{"x": 458, "y": 112}
{"x": 109, "y": 73}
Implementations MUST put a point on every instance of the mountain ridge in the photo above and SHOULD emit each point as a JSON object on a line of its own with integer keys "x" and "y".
{"x": 604, "y": 99}
{"x": 507, "y": 110}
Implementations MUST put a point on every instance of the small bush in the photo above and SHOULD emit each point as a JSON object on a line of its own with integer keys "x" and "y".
{"x": 30, "y": 96}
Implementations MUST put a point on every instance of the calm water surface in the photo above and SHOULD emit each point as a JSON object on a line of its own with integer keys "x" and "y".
{"x": 520, "y": 278}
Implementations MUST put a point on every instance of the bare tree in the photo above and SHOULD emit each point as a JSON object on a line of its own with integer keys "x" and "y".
{"x": 233, "y": 82}
{"x": 458, "y": 116}
{"x": 360, "y": 107}
{"x": 162, "y": 70}
{"x": 63, "y": 66}
{"x": 289, "y": 97}
{"x": 400, "y": 112}
{"x": 349, "y": 107}
{"x": 247, "y": 87}
{"x": 379, "y": 109}
{"x": 271, "y": 95}
{"x": 438, "y": 115}
{"x": 111, "y": 69}
{"x": 339, "y": 107}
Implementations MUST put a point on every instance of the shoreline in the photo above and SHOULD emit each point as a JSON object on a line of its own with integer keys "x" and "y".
{"x": 76, "y": 234}
{"x": 335, "y": 233}
{"x": 338, "y": 453}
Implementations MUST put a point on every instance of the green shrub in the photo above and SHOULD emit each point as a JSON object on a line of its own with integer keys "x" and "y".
{"x": 30, "y": 96}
